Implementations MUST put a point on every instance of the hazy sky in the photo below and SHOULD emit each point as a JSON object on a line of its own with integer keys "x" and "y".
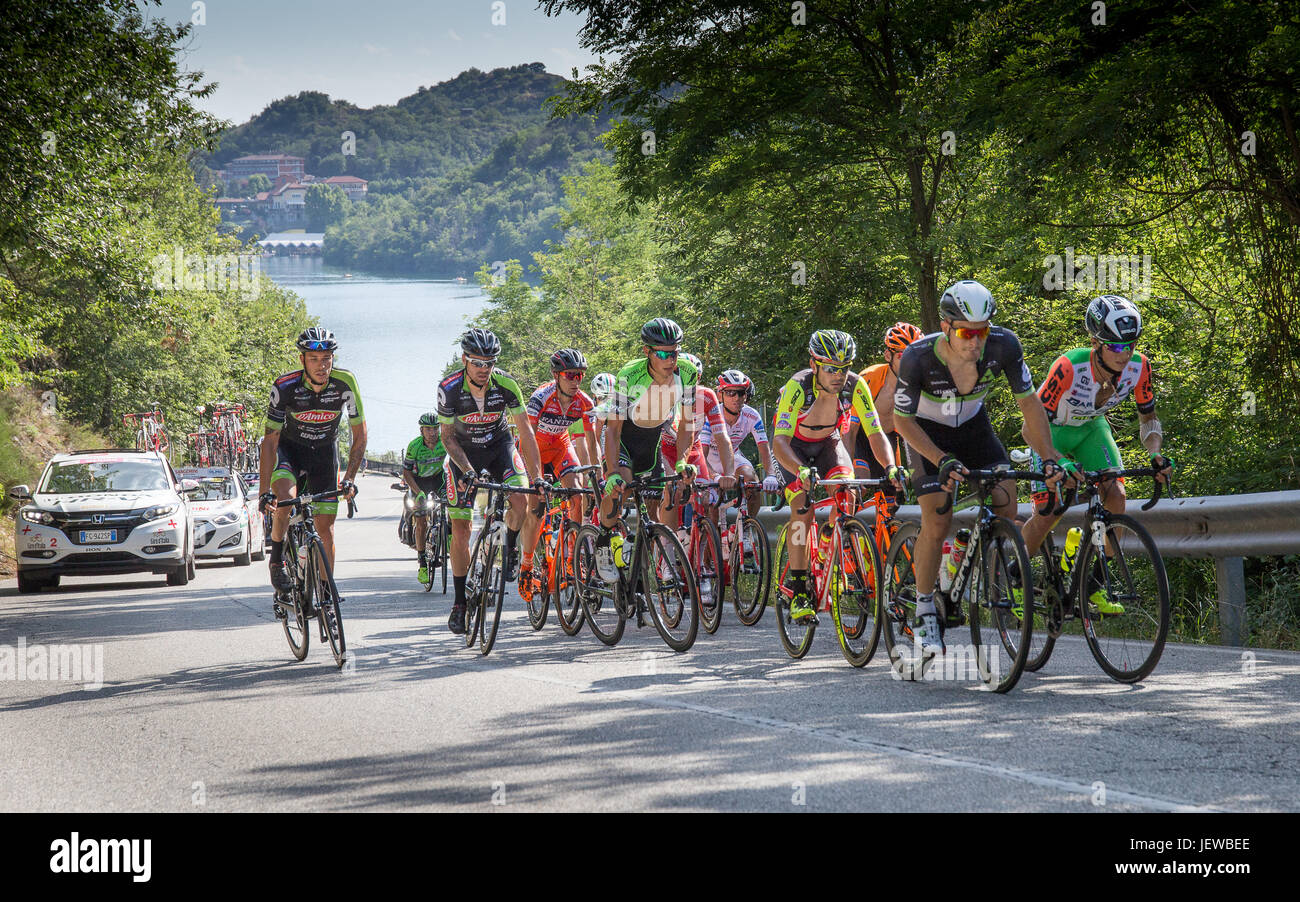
{"x": 368, "y": 52}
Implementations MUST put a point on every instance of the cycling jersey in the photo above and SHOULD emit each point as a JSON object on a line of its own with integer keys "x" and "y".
{"x": 422, "y": 460}
{"x": 480, "y": 426}
{"x": 708, "y": 415}
{"x": 554, "y": 421}
{"x": 864, "y": 458}
{"x": 642, "y": 403}
{"x": 797, "y": 399}
{"x": 1070, "y": 391}
{"x": 308, "y": 418}
{"x": 747, "y": 422}
{"x": 926, "y": 388}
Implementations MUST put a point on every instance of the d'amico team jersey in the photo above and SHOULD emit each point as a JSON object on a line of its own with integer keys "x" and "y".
{"x": 801, "y": 391}
{"x": 926, "y": 388}
{"x": 1070, "y": 391}
{"x": 552, "y": 420}
{"x": 485, "y": 426}
{"x": 310, "y": 418}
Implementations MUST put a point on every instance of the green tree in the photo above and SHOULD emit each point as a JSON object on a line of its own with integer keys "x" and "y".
{"x": 326, "y": 205}
{"x": 256, "y": 184}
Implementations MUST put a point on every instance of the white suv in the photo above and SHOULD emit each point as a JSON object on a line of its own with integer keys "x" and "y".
{"x": 96, "y": 512}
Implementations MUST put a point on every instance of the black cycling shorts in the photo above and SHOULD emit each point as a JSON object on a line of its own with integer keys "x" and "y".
{"x": 974, "y": 443}
{"x": 829, "y": 456}
{"x": 638, "y": 450}
{"x": 314, "y": 470}
{"x": 503, "y": 465}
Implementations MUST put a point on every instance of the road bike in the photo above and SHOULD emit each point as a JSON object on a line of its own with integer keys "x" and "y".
{"x": 549, "y": 581}
{"x": 312, "y": 592}
{"x": 981, "y": 595}
{"x": 485, "y": 582}
{"x": 150, "y": 431}
{"x": 654, "y": 576}
{"x": 1115, "y": 556}
{"x": 232, "y": 446}
{"x": 746, "y": 555}
{"x": 703, "y": 544}
{"x": 202, "y": 446}
{"x": 844, "y": 574}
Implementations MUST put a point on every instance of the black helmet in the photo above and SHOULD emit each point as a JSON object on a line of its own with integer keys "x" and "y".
{"x": 480, "y": 343}
{"x": 317, "y": 338}
{"x": 832, "y": 346}
{"x": 568, "y": 359}
{"x": 1113, "y": 318}
{"x": 661, "y": 331}
{"x": 428, "y": 419}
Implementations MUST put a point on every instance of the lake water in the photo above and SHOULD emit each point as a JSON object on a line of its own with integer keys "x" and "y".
{"x": 395, "y": 334}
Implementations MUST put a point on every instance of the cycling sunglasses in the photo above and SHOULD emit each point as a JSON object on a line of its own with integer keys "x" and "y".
{"x": 738, "y": 392}
{"x": 963, "y": 332}
{"x": 316, "y": 346}
{"x": 481, "y": 364}
{"x": 665, "y": 355}
{"x": 834, "y": 367}
{"x": 1119, "y": 347}
{"x": 574, "y": 374}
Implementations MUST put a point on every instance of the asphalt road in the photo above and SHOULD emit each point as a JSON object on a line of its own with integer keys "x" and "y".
{"x": 202, "y": 707}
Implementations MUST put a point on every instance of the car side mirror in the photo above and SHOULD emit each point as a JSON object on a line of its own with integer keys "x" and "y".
{"x": 189, "y": 486}
{"x": 20, "y": 493}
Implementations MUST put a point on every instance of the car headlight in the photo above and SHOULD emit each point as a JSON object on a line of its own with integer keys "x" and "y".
{"x": 226, "y": 519}
{"x": 162, "y": 510}
{"x": 36, "y": 515}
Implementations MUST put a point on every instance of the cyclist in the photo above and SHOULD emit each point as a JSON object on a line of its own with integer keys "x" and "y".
{"x": 1081, "y": 387}
{"x": 939, "y": 412}
{"x": 740, "y": 420}
{"x": 422, "y": 471}
{"x": 808, "y": 418}
{"x": 707, "y": 414}
{"x": 301, "y": 442}
{"x": 648, "y": 393}
{"x": 476, "y": 406}
{"x": 882, "y": 380}
{"x": 553, "y": 410}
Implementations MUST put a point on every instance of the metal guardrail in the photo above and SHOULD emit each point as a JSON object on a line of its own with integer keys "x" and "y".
{"x": 383, "y": 466}
{"x": 1228, "y": 528}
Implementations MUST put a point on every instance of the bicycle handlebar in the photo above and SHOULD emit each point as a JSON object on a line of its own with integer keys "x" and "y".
{"x": 984, "y": 478}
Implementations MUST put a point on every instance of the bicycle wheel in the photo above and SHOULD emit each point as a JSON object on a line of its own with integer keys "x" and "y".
{"x": 430, "y": 543}
{"x": 444, "y": 543}
{"x": 600, "y": 608}
{"x": 750, "y": 572}
{"x": 295, "y": 606}
{"x": 325, "y": 599}
{"x": 568, "y": 606}
{"x": 671, "y": 592}
{"x": 898, "y": 606}
{"x": 1128, "y": 645}
{"x": 1049, "y": 604}
{"x": 706, "y": 558}
{"x": 796, "y": 638}
{"x": 494, "y": 591}
{"x": 475, "y": 583}
{"x": 1000, "y": 640}
{"x": 855, "y": 583}
{"x": 542, "y": 574}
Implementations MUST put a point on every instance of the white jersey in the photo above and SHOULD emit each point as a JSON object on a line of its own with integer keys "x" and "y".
{"x": 749, "y": 421}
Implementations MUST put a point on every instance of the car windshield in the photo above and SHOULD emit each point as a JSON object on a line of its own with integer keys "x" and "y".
{"x": 214, "y": 488}
{"x": 77, "y": 477}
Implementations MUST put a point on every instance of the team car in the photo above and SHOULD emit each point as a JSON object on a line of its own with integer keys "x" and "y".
{"x": 98, "y": 512}
{"x": 227, "y": 522}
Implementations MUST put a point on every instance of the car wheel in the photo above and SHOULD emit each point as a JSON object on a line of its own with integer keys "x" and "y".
{"x": 243, "y": 560}
{"x": 28, "y": 583}
{"x": 189, "y": 567}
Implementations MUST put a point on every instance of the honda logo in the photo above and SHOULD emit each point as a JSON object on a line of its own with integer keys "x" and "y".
{"x": 97, "y": 519}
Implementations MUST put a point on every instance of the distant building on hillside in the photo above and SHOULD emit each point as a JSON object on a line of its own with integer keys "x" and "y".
{"x": 271, "y": 165}
{"x": 293, "y": 243}
{"x": 354, "y": 187}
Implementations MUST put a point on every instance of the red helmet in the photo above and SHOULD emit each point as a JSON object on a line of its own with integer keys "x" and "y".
{"x": 900, "y": 335}
{"x": 735, "y": 379}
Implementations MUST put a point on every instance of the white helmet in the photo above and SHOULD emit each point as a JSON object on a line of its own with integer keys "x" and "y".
{"x": 602, "y": 386}
{"x": 1113, "y": 318}
{"x": 967, "y": 300}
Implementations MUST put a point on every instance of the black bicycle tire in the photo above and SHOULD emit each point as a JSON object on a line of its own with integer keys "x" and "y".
{"x": 327, "y": 608}
{"x": 570, "y": 613}
{"x": 751, "y": 614}
{"x": 494, "y": 598}
{"x": 660, "y": 534}
{"x": 781, "y": 606}
{"x": 862, "y": 656}
{"x": 898, "y": 600}
{"x": 474, "y": 587}
{"x": 1042, "y": 599}
{"x": 297, "y": 602}
{"x": 1000, "y": 528}
{"x": 1162, "y": 586}
{"x": 709, "y": 533}
{"x": 582, "y": 567}
{"x": 542, "y": 592}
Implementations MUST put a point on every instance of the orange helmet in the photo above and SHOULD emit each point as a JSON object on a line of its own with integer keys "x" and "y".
{"x": 900, "y": 335}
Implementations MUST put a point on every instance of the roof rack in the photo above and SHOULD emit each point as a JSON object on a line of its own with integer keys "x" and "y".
{"x": 108, "y": 451}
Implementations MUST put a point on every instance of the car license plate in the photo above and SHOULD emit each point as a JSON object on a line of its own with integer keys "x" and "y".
{"x": 89, "y": 536}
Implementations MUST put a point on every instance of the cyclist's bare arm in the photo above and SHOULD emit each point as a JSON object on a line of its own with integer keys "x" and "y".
{"x": 266, "y": 462}
{"x": 528, "y": 447}
{"x": 1037, "y": 432}
{"x": 358, "y": 451}
{"x": 882, "y": 449}
{"x": 455, "y": 453}
{"x": 613, "y": 433}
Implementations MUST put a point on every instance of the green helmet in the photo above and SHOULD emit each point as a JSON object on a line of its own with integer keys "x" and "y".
{"x": 428, "y": 419}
